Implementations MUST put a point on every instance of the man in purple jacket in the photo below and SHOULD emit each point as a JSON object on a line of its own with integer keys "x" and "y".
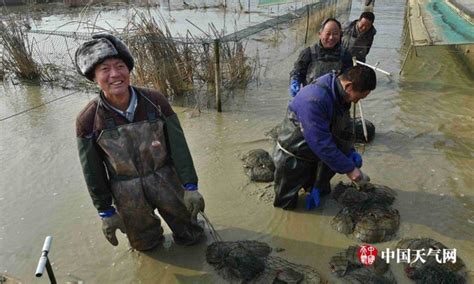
{"x": 316, "y": 138}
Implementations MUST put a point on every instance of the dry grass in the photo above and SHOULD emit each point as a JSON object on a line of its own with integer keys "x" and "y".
{"x": 178, "y": 66}
{"x": 17, "y": 50}
{"x": 160, "y": 63}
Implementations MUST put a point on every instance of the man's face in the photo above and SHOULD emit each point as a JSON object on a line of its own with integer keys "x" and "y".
{"x": 353, "y": 95}
{"x": 330, "y": 35}
{"x": 364, "y": 25}
{"x": 113, "y": 77}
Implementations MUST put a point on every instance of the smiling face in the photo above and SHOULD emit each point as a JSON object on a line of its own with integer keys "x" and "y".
{"x": 113, "y": 78}
{"x": 330, "y": 35}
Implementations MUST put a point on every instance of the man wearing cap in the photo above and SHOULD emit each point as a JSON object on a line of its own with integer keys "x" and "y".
{"x": 321, "y": 58}
{"x": 315, "y": 140}
{"x": 358, "y": 35}
{"x": 133, "y": 153}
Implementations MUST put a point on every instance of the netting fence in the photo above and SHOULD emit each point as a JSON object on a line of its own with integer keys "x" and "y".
{"x": 170, "y": 64}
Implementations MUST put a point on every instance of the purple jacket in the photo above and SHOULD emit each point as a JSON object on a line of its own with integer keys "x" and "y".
{"x": 314, "y": 107}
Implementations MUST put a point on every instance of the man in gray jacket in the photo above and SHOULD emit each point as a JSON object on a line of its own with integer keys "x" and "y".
{"x": 359, "y": 34}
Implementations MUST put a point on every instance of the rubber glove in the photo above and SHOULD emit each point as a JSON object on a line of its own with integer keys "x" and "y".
{"x": 294, "y": 87}
{"x": 193, "y": 200}
{"x": 313, "y": 200}
{"x": 111, "y": 221}
{"x": 356, "y": 158}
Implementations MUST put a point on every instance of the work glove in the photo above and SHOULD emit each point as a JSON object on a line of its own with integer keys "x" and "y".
{"x": 110, "y": 223}
{"x": 193, "y": 200}
{"x": 294, "y": 87}
{"x": 356, "y": 158}
{"x": 362, "y": 181}
{"x": 313, "y": 200}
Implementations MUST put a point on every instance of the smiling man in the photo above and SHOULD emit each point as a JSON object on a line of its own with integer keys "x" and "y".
{"x": 323, "y": 57}
{"x": 133, "y": 153}
{"x": 358, "y": 35}
{"x": 315, "y": 140}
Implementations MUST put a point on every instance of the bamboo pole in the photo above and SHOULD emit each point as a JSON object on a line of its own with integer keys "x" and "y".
{"x": 217, "y": 74}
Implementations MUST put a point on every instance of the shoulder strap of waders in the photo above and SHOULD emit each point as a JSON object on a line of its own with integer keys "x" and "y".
{"x": 153, "y": 111}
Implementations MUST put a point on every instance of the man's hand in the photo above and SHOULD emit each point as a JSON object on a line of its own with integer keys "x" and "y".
{"x": 294, "y": 87}
{"x": 358, "y": 177}
{"x": 193, "y": 200}
{"x": 356, "y": 158}
{"x": 110, "y": 225}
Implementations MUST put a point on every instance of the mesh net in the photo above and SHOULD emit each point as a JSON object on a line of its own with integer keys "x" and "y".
{"x": 347, "y": 266}
{"x": 367, "y": 212}
{"x": 250, "y": 261}
{"x": 430, "y": 268}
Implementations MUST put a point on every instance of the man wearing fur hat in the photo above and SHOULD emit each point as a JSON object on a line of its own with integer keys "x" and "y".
{"x": 133, "y": 153}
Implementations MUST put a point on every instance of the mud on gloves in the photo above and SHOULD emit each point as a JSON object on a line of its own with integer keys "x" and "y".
{"x": 193, "y": 200}
{"x": 111, "y": 221}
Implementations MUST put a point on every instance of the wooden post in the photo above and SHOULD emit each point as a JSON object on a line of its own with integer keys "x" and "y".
{"x": 217, "y": 83}
{"x": 307, "y": 24}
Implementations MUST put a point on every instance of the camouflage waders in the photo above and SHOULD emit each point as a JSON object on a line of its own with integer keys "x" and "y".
{"x": 142, "y": 179}
{"x": 322, "y": 64}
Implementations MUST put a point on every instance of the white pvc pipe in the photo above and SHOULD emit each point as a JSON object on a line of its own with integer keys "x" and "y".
{"x": 373, "y": 67}
{"x": 364, "y": 127}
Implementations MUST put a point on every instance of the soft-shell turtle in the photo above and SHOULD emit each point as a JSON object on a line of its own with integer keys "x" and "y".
{"x": 369, "y": 222}
{"x": 258, "y": 165}
{"x": 288, "y": 276}
{"x": 348, "y": 260}
{"x": 376, "y": 224}
{"x": 217, "y": 251}
{"x": 347, "y": 194}
{"x": 347, "y": 266}
{"x": 431, "y": 268}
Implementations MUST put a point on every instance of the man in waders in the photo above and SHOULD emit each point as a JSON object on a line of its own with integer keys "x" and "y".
{"x": 321, "y": 58}
{"x": 133, "y": 153}
{"x": 316, "y": 138}
{"x": 358, "y": 35}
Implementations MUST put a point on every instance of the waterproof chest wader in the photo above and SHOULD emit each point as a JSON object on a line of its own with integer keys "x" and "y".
{"x": 297, "y": 166}
{"x": 142, "y": 179}
{"x": 357, "y": 46}
{"x": 322, "y": 64}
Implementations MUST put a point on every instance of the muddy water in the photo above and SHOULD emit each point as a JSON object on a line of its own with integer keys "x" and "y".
{"x": 423, "y": 149}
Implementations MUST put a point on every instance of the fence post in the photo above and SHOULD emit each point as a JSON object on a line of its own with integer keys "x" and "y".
{"x": 217, "y": 74}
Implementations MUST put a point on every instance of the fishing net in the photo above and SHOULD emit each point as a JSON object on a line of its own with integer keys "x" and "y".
{"x": 251, "y": 262}
{"x": 347, "y": 266}
{"x": 428, "y": 269}
{"x": 258, "y": 165}
{"x": 366, "y": 213}
{"x": 359, "y": 131}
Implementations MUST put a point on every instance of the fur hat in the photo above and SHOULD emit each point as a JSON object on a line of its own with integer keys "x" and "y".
{"x": 100, "y": 48}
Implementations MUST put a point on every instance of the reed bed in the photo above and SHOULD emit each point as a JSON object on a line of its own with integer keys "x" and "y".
{"x": 17, "y": 50}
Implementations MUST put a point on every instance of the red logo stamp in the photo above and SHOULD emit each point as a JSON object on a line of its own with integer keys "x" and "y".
{"x": 367, "y": 254}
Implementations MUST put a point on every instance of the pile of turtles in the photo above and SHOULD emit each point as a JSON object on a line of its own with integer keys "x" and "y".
{"x": 258, "y": 165}
{"x": 433, "y": 267}
{"x": 347, "y": 266}
{"x": 367, "y": 213}
{"x": 250, "y": 262}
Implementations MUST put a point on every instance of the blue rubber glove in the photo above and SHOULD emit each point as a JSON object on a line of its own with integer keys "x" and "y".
{"x": 294, "y": 87}
{"x": 356, "y": 158}
{"x": 313, "y": 200}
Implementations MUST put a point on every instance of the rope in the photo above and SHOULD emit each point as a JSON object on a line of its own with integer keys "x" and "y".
{"x": 212, "y": 230}
{"x": 38, "y": 106}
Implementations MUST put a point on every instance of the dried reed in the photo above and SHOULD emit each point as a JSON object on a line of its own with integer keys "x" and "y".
{"x": 17, "y": 50}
